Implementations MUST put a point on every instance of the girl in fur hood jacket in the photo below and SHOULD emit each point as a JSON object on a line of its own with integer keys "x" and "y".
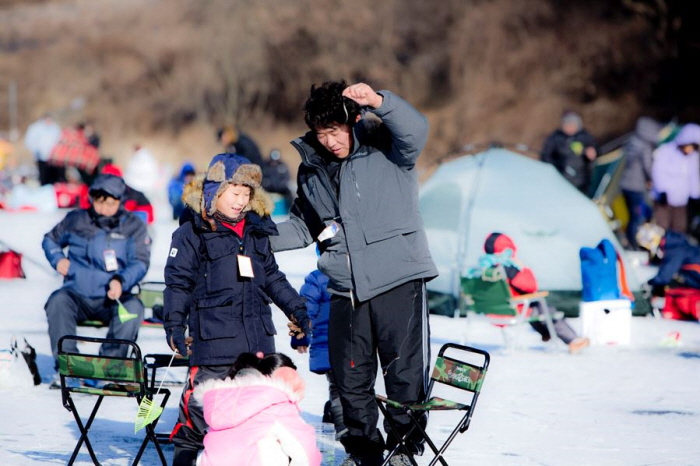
{"x": 253, "y": 415}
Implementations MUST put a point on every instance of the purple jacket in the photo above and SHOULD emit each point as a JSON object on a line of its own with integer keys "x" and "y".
{"x": 677, "y": 174}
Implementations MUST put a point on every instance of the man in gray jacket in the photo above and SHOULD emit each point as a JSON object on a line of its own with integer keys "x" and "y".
{"x": 358, "y": 199}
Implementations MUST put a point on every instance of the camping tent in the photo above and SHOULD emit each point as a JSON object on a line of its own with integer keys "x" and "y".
{"x": 499, "y": 190}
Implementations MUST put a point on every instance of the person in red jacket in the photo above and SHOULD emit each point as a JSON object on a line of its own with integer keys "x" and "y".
{"x": 134, "y": 200}
{"x": 500, "y": 250}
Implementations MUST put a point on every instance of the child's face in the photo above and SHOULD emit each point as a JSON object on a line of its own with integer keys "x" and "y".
{"x": 233, "y": 200}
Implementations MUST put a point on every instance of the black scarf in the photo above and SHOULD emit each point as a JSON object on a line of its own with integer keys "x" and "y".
{"x": 104, "y": 222}
{"x": 231, "y": 221}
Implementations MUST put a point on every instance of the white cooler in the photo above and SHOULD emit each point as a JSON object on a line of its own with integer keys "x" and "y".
{"x": 606, "y": 322}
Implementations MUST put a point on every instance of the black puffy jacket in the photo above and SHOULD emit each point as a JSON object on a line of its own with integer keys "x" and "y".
{"x": 566, "y": 153}
{"x": 226, "y": 314}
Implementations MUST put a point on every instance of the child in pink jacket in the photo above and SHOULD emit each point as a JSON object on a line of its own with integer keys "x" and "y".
{"x": 253, "y": 415}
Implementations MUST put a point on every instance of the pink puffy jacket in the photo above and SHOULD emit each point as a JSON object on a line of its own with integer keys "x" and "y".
{"x": 254, "y": 420}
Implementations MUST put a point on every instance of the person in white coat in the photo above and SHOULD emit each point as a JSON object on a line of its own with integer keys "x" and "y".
{"x": 40, "y": 139}
{"x": 675, "y": 176}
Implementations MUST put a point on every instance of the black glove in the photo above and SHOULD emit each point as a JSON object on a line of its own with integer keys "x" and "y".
{"x": 657, "y": 290}
{"x": 175, "y": 337}
{"x": 663, "y": 199}
{"x": 301, "y": 319}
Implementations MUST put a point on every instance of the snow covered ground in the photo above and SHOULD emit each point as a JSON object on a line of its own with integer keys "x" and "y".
{"x": 609, "y": 405}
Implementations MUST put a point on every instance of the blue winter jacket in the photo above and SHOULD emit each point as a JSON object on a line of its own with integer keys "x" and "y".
{"x": 318, "y": 306}
{"x": 176, "y": 187}
{"x": 680, "y": 264}
{"x": 226, "y": 314}
{"x": 87, "y": 235}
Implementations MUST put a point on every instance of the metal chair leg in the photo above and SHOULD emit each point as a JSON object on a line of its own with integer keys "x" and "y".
{"x": 84, "y": 429}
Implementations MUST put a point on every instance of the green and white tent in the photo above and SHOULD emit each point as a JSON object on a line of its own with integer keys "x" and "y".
{"x": 502, "y": 191}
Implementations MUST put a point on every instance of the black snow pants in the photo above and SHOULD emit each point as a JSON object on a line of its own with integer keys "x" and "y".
{"x": 393, "y": 325}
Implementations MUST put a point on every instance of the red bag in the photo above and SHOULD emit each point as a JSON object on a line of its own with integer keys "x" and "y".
{"x": 11, "y": 265}
{"x": 682, "y": 304}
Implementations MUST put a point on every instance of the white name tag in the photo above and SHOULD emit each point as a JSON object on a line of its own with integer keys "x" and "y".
{"x": 110, "y": 257}
{"x": 329, "y": 232}
{"x": 245, "y": 266}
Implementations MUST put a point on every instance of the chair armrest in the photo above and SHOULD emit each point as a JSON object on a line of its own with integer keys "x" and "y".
{"x": 467, "y": 299}
{"x": 530, "y": 296}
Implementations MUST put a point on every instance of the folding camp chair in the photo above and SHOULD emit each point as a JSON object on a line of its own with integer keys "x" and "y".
{"x": 459, "y": 374}
{"x": 489, "y": 296}
{"x": 151, "y": 295}
{"x": 123, "y": 377}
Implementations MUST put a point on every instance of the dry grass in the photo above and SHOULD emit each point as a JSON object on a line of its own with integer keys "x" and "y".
{"x": 165, "y": 73}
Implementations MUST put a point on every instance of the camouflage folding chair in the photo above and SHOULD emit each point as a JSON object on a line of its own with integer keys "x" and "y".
{"x": 459, "y": 373}
{"x": 117, "y": 377}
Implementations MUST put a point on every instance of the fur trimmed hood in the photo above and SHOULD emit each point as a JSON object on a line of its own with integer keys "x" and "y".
{"x": 251, "y": 378}
{"x": 224, "y": 169}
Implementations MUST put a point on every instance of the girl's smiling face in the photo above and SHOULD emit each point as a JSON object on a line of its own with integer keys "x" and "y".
{"x": 233, "y": 200}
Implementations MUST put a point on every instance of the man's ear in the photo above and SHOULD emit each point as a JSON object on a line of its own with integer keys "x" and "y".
{"x": 358, "y": 118}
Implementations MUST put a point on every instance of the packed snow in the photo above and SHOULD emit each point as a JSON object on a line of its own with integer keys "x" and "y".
{"x": 636, "y": 404}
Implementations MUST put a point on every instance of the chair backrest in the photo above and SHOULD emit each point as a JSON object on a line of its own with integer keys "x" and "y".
{"x": 490, "y": 292}
{"x": 128, "y": 370}
{"x": 151, "y": 293}
{"x": 458, "y": 373}
{"x": 465, "y": 369}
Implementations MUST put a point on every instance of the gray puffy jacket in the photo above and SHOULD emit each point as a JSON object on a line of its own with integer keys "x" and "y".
{"x": 381, "y": 242}
{"x": 638, "y": 155}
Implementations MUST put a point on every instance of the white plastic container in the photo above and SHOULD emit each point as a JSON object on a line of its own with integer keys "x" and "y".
{"x": 606, "y": 322}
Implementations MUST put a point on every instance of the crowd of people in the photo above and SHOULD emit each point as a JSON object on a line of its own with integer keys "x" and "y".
{"x": 660, "y": 178}
{"x": 69, "y": 158}
{"x": 221, "y": 278}
{"x": 365, "y": 303}
{"x": 660, "y": 184}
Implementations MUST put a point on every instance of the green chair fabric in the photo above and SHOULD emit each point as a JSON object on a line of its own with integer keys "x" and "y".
{"x": 491, "y": 292}
{"x": 489, "y": 296}
{"x": 151, "y": 294}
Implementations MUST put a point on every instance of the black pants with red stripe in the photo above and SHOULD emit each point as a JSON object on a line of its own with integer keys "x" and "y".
{"x": 188, "y": 434}
{"x": 394, "y": 326}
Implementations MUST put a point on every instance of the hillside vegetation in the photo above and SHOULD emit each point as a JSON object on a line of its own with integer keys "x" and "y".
{"x": 166, "y": 73}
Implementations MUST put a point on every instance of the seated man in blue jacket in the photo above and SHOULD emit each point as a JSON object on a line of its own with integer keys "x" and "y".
{"x": 108, "y": 252}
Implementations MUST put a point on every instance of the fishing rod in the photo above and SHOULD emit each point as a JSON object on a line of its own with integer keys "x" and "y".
{"x": 29, "y": 259}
